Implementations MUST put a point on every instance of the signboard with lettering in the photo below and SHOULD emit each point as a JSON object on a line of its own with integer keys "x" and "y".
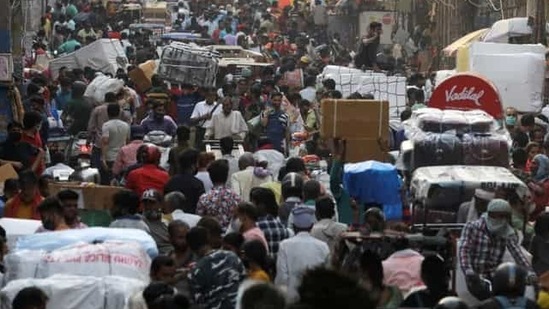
{"x": 467, "y": 91}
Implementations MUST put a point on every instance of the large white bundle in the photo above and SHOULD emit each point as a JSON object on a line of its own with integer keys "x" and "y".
{"x": 381, "y": 86}
{"x": 76, "y": 292}
{"x": 126, "y": 259}
{"x": 517, "y": 71}
{"x": 386, "y": 88}
{"x": 105, "y": 55}
{"x": 189, "y": 64}
{"x": 16, "y": 228}
{"x": 22, "y": 264}
{"x": 101, "y": 85}
{"x": 55, "y": 240}
{"x": 521, "y": 88}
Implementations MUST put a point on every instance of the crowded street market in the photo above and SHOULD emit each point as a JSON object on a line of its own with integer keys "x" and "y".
{"x": 264, "y": 154}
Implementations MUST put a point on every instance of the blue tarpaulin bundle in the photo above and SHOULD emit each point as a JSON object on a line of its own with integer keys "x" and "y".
{"x": 375, "y": 182}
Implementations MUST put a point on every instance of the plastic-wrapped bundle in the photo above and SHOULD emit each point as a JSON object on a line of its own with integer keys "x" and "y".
{"x": 78, "y": 292}
{"x": 455, "y": 121}
{"x": 437, "y": 149}
{"x": 430, "y": 122}
{"x": 479, "y": 121}
{"x": 189, "y": 64}
{"x": 485, "y": 149}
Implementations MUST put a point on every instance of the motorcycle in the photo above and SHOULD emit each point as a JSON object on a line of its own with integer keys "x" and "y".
{"x": 164, "y": 142}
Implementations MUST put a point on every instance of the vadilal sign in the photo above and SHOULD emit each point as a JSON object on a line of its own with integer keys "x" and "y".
{"x": 467, "y": 91}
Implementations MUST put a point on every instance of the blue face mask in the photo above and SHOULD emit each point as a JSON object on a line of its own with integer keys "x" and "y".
{"x": 510, "y": 120}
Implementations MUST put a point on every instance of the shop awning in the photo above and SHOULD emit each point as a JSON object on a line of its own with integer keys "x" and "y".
{"x": 465, "y": 40}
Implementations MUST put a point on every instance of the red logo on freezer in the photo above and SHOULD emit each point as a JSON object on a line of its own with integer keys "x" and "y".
{"x": 467, "y": 91}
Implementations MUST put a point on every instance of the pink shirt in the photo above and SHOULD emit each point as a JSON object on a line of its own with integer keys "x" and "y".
{"x": 256, "y": 234}
{"x": 126, "y": 157}
{"x": 403, "y": 270}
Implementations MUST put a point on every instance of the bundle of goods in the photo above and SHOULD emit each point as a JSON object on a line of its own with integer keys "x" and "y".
{"x": 381, "y": 86}
{"x": 383, "y": 189}
{"x": 56, "y": 240}
{"x": 76, "y": 292}
{"x": 102, "y": 85}
{"x": 103, "y": 55}
{"x": 189, "y": 64}
{"x": 112, "y": 258}
{"x": 450, "y": 137}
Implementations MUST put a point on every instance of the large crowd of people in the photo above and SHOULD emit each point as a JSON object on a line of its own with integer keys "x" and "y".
{"x": 257, "y": 229}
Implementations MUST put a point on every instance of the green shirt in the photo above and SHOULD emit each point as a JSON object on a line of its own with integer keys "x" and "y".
{"x": 68, "y": 47}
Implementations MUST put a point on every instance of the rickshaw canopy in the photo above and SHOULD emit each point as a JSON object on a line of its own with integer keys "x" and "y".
{"x": 466, "y": 178}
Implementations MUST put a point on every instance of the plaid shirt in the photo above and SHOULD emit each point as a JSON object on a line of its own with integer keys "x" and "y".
{"x": 274, "y": 231}
{"x": 481, "y": 252}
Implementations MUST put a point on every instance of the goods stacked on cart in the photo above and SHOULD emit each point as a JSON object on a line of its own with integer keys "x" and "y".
{"x": 452, "y": 137}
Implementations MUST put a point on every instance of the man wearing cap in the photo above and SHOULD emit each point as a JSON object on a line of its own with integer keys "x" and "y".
{"x": 471, "y": 210}
{"x": 152, "y": 216}
{"x": 299, "y": 253}
{"x": 127, "y": 154}
{"x": 483, "y": 243}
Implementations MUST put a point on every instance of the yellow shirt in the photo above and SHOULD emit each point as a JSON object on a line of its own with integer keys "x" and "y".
{"x": 259, "y": 275}
{"x": 276, "y": 187}
{"x": 24, "y": 211}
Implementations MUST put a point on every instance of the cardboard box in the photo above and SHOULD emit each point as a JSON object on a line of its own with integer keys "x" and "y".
{"x": 94, "y": 197}
{"x": 363, "y": 123}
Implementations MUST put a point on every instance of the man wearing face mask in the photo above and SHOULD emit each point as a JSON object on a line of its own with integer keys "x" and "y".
{"x": 471, "y": 210}
{"x": 151, "y": 200}
{"x": 158, "y": 120}
{"x": 483, "y": 243}
{"x": 511, "y": 115}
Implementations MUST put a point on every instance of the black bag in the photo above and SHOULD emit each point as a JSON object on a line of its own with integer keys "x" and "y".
{"x": 485, "y": 149}
{"x": 437, "y": 149}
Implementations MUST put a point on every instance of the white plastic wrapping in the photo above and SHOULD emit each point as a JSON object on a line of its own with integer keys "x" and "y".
{"x": 102, "y": 85}
{"x": 105, "y": 55}
{"x": 55, "y": 240}
{"x": 189, "y": 64}
{"x": 381, "y": 86}
{"x": 125, "y": 259}
{"x": 517, "y": 71}
{"x": 75, "y": 292}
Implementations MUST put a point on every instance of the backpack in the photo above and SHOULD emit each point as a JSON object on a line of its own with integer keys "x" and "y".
{"x": 505, "y": 303}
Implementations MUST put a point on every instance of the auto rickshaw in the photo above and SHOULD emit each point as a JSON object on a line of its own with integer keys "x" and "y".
{"x": 438, "y": 191}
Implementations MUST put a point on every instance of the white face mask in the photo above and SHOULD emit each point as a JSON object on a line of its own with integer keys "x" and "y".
{"x": 499, "y": 227}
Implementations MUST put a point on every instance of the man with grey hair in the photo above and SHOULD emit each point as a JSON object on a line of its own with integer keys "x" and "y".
{"x": 250, "y": 176}
{"x": 176, "y": 208}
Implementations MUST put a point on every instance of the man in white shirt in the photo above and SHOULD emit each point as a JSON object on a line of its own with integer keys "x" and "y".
{"x": 202, "y": 116}
{"x": 115, "y": 134}
{"x": 299, "y": 253}
{"x": 58, "y": 169}
{"x": 309, "y": 92}
{"x": 249, "y": 176}
{"x": 229, "y": 123}
{"x": 174, "y": 205}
